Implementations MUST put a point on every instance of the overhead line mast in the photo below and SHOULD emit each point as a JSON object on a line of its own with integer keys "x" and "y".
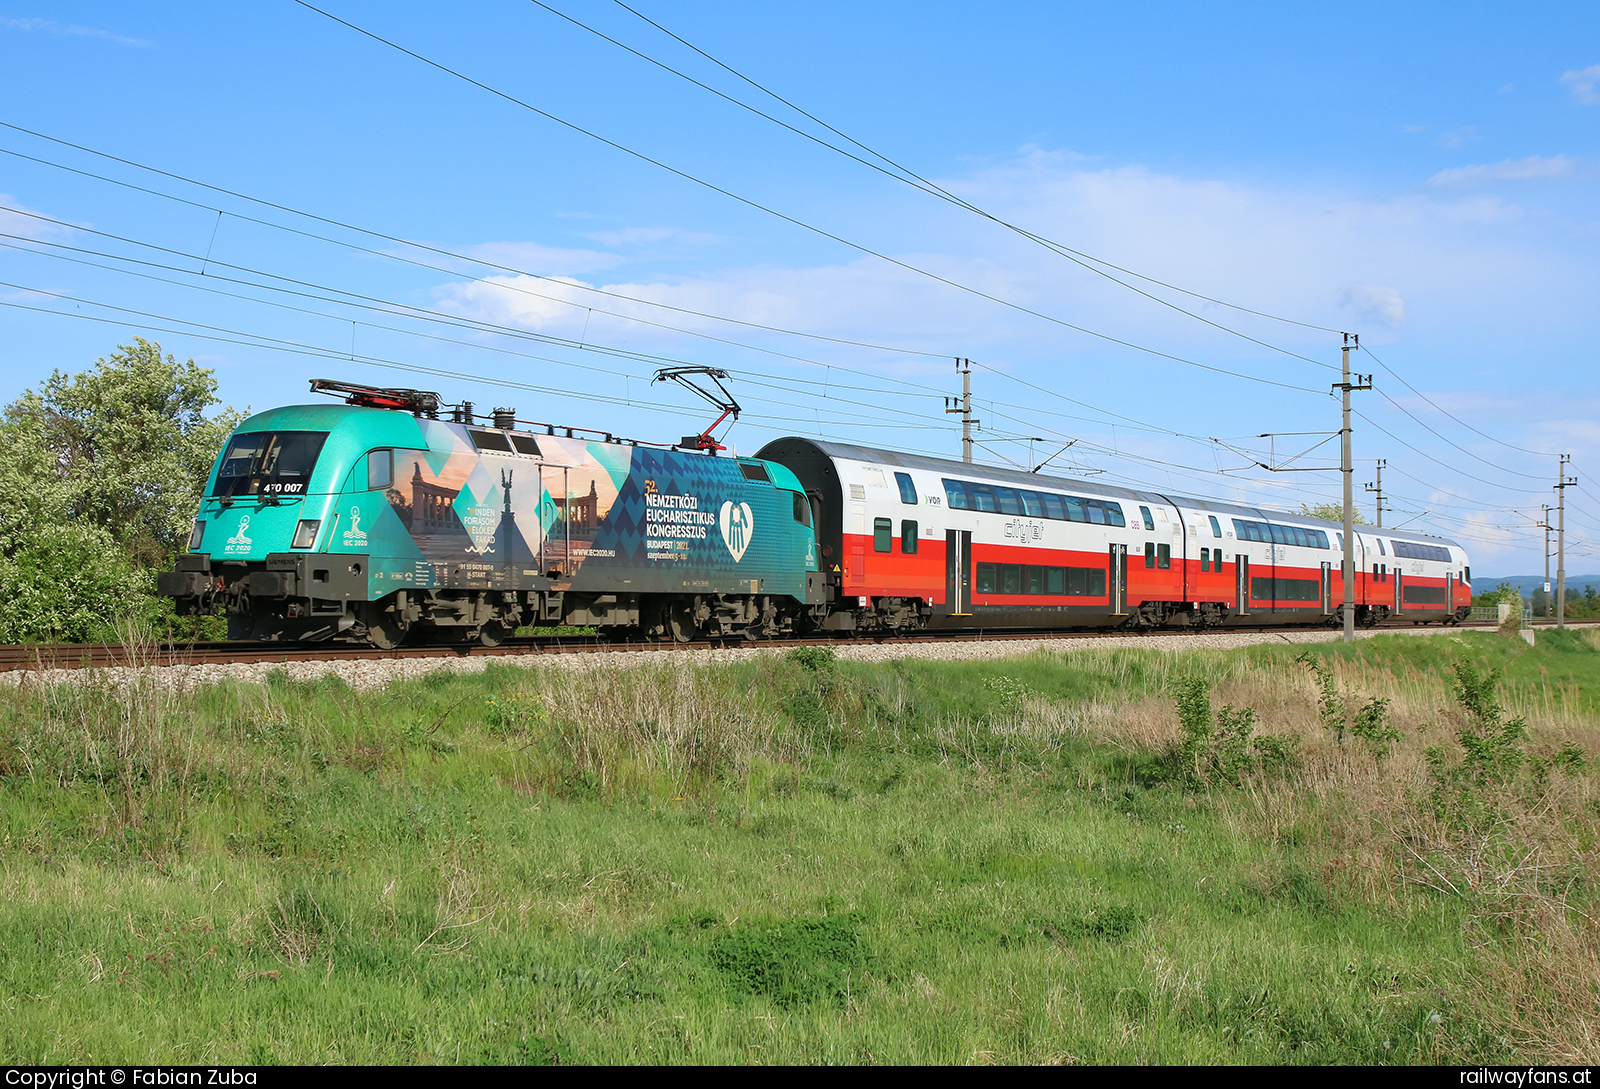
{"x": 1351, "y": 341}
{"x": 1378, "y": 488}
{"x": 964, "y": 408}
{"x": 1563, "y": 482}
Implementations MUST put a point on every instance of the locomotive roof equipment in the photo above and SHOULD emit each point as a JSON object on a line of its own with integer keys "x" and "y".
{"x": 721, "y": 399}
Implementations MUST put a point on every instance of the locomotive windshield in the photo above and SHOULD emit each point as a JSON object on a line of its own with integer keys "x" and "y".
{"x": 269, "y": 462}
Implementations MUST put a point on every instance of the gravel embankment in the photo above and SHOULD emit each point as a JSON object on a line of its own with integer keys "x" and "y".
{"x": 366, "y": 674}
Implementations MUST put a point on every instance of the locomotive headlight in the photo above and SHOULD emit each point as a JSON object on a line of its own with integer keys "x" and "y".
{"x": 305, "y": 534}
{"x": 196, "y": 535}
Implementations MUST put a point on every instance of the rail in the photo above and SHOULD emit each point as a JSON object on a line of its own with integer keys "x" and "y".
{"x": 100, "y": 655}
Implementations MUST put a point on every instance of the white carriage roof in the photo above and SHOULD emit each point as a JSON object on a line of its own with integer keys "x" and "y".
{"x": 1000, "y": 474}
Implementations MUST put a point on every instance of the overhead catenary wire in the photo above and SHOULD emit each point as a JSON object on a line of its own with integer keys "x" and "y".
{"x": 1399, "y": 378}
{"x": 911, "y": 177}
{"x": 884, "y": 378}
{"x": 819, "y": 231}
{"x": 499, "y": 284}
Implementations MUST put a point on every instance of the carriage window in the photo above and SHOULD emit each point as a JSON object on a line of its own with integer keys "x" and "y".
{"x": 1010, "y": 578}
{"x": 1056, "y": 580}
{"x": 1164, "y": 557}
{"x": 982, "y": 497}
{"x": 955, "y": 494}
{"x": 1074, "y": 505}
{"x": 908, "y": 491}
{"x": 1149, "y": 522}
{"x": 1216, "y": 527}
{"x": 985, "y": 578}
{"x": 1097, "y": 513}
{"x": 882, "y": 535}
{"x": 1149, "y": 554}
{"x": 1113, "y": 514}
{"x": 1205, "y": 559}
{"x": 1030, "y": 504}
{"x": 1053, "y": 507}
{"x": 380, "y": 469}
{"x": 908, "y": 538}
{"x": 1007, "y": 500}
{"x": 1381, "y": 550}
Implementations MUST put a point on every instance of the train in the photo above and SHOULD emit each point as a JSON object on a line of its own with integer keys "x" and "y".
{"x": 390, "y": 517}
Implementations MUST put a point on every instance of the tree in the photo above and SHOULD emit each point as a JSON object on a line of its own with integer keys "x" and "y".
{"x": 100, "y": 476}
{"x": 1541, "y": 602}
{"x": 1329, "y": 512}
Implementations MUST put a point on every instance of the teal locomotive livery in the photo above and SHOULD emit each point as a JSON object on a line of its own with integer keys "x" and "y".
{"x": 377, "y": 521}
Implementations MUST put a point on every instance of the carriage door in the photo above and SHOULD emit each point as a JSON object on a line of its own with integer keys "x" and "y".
{"x": 1241, "y": 578}
{"x": 958, "y": 571}
{"x": 1327, "y": 587}
{"x": 1119, "y": 580}
{"x": 1398, "y": 578}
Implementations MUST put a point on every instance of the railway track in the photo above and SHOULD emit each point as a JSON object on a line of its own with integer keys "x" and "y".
{"x": 100, "y": 655}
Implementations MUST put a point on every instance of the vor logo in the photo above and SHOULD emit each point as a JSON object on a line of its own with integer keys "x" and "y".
{"x": 738, "y": 523}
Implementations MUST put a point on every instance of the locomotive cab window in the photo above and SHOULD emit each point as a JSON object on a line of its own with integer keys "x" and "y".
{"x": 908, "y": 538}
{"x": 380, "y": 469}
{"x": 276, "y": 462}
{"x": 882, "y": 535}
{"x": 908, "y": 490}
{"x": 802, "y": 509}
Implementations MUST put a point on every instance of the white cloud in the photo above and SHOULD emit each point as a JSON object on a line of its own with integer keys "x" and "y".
{"x": 25, "y": 225}
{"x": 1582, "y": 82}
{"x": 651, "y": 236}
{"x": 545, "y": 260}
{"x": 1375, "y": 303}
{"x": 1418, "y": 261}
{"x": 50, "y": 26}
{"x": 1533, "y": 168}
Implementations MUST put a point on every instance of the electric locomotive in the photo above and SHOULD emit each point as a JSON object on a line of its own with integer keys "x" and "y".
{"x": 377, "y": 520}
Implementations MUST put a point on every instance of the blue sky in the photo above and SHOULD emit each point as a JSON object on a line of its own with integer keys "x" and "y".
{"x": 1425, "y": 176}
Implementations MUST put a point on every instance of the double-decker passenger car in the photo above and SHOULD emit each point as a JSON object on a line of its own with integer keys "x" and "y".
{"x": 916, "y": 541}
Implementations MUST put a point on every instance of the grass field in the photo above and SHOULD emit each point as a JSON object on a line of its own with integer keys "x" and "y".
{"x": 1094, "y": 857}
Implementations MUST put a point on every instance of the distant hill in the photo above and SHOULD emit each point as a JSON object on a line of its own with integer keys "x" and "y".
{"x": 1527, "y": 584}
